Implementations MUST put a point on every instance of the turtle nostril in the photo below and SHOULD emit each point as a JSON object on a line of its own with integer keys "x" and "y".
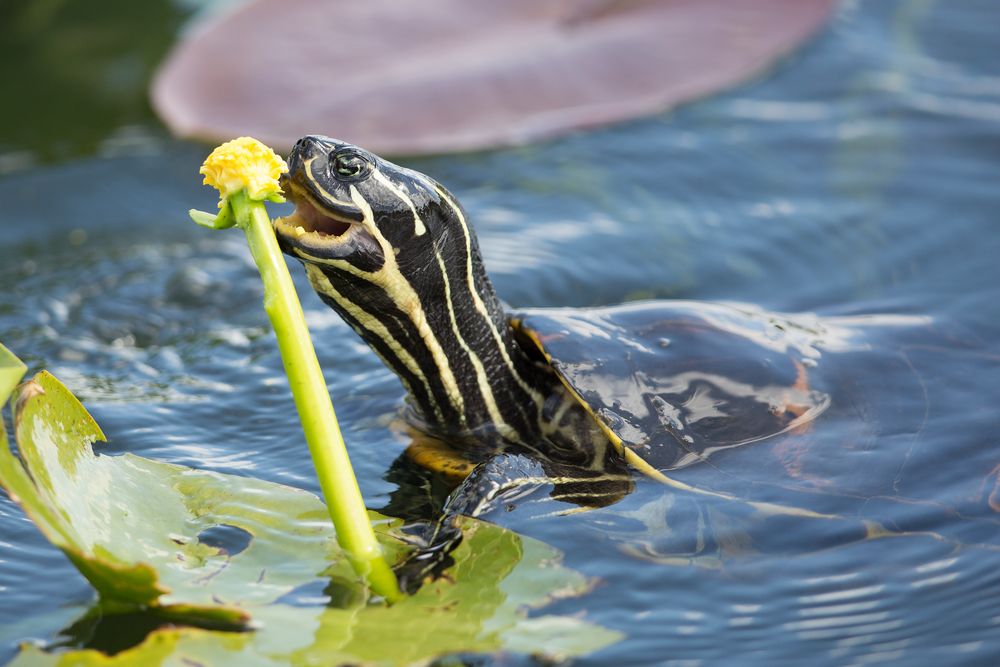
{"x": 299, "y": 152}
{"x": 300, "y": 146}
{"x": 306, "y": 147}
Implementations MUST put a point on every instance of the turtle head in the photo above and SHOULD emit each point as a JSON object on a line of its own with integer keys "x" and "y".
{"x": 352, "y": 208}
{"x": 390, "y": 250}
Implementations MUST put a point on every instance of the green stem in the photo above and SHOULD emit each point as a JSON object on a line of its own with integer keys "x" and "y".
{"x": 312, "y": 398}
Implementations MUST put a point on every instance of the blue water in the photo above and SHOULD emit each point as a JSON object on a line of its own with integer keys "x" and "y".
{"x": 861, "y": 176}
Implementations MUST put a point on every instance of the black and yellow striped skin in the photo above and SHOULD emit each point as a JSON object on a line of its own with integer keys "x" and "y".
{"x": 392, "y": 252}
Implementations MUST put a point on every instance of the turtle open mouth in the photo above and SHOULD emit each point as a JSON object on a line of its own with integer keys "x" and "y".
{"x": 308, "y": 222}
{"x": 325, "y": 229}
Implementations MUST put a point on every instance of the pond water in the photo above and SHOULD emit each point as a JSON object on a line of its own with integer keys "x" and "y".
{"x": 860, "y": 177}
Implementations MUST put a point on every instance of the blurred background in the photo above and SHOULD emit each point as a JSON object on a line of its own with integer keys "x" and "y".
{"x": 468, "y": 76}
{"x": 77, "y": 75}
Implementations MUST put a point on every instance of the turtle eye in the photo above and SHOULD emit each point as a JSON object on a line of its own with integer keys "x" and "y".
{"x": 348, "y": 165}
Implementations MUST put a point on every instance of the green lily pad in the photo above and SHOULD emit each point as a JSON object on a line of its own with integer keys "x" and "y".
{"x": 211, "y": 550}
{"x": 131, "y": 525}
{"x": 11, "y": 371}
{"x": 481, "y": 609}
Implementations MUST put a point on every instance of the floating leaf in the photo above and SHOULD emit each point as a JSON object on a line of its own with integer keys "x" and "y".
{"x": 132, "y": 525}
{"x": 210, "y": 549}
{"x": 480, "y": 607}
{"x": 11, "y": 371}
{"x": 497, "y": 576}
{"x": 448, "y": 75}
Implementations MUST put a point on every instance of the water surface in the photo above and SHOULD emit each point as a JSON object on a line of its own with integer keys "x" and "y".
{"x": 860, "y": 177}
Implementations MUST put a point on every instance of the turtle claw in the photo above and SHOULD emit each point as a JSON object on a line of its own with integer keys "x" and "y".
{"x": 502, "y": 481}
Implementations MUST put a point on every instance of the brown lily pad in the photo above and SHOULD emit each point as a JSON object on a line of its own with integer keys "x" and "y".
{"x": 451, "y": 75}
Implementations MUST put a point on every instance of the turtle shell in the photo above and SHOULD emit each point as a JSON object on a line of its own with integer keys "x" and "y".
{"x": 677, "y": 381}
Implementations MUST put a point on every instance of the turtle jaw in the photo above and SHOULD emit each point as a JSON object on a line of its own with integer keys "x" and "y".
{"x": 318, "y": 231}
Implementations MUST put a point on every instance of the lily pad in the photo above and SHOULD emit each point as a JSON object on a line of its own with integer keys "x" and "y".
{"x": 449, "y": 75}
{"x": 11, "y": 371}
{"x": 479, "y": 608}
{"x": 132, "y": 525}
{"x": 211, "y": 550}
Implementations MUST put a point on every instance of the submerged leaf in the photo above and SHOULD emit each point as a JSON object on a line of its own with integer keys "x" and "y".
{"x": 479, "y": 608}
{"x": 210, "y": 549}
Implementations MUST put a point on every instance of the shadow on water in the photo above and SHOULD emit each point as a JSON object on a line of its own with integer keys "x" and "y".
{"x": 109, "y": 634}
{"x": 859, "y": 178}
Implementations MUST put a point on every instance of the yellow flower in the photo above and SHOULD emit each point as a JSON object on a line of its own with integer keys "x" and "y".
{"x": 244, "y": 163}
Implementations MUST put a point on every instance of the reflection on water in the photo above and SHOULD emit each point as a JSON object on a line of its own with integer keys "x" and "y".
{"x": 859, "y": 179}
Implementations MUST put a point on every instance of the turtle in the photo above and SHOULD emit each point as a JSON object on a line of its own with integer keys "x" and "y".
{"x": 649, "y": 385}
{"x": 579, "y": 399}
